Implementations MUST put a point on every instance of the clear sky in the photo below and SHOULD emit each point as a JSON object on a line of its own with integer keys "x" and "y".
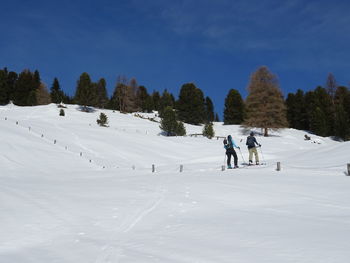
{"x": 215, "y": 44}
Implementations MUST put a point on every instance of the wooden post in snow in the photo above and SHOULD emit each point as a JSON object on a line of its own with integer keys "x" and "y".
{"x": 278, "y": 166}
{"x": 153, "y": 168}
{"x": 348, "y": 169}
{"x": 181, "y": 168}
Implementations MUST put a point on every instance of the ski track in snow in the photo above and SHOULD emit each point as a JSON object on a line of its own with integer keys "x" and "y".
{"x": 112, "y": 252}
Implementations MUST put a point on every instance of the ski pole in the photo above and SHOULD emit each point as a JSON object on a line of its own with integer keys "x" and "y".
{"x": 241, "y": 155}
{"x": 262, "y": 155}
{"x": 225, "y": 160}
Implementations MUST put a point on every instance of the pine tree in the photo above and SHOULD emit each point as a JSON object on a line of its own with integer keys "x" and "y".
{"x": 102, "y": 98}
{"x": 4, "y": 90}
{"x": 208, "y": 130}
{"x": 265, "y": 106}
{"x": 56, "y": 94}
{"x": 234, "y": 108}
{"x": 85, "y": 94}
{"x": 168, "y": 123}
{"x": 148, "y": 105}
{"x": 209, "y": 110}
{"x": 323, "y": 101}
{"x": 103, "y": 120}
{"x": 165, "y": 101}
{"x": 11, "y": 81}
{"x": 190, "y": 106}
{"x": 318, "y": 122}
{"x": 156, "y": 100}
{"x": 342, "y": 110}
{"x": 296, "y": 110}
{"x": 342, "y": 123}
{"x": 142, "y": 97}
{"x": 25, "y": 88}
{"x": 180, "y": 129}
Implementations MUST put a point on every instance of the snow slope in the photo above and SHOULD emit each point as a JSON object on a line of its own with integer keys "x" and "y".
{"x": 71, "y": 191}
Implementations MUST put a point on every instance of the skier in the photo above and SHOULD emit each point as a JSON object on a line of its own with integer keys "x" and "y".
{"x": 251, "y": 143}
{"x": 229, "y": 145}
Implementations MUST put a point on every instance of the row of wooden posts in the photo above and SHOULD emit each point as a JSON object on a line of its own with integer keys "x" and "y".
{"x": 278, "y": 168}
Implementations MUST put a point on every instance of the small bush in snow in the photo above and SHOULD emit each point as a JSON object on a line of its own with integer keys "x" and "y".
{"x": 208, "y": 130}
{"x": 62, "y": 112}
{"x": 103, "y": 120}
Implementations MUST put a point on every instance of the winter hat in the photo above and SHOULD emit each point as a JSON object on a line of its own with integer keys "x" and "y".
{"x": 251, "y": 133}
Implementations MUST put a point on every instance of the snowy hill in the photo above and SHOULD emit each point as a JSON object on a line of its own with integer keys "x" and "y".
{"x": 72, "y": 191}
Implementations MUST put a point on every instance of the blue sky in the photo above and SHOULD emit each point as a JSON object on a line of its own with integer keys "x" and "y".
{"x": 215, "y": 44}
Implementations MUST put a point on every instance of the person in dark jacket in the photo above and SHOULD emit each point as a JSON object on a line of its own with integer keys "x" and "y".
{"x": 252, "y": 143}
{"x": 229, "y": 145}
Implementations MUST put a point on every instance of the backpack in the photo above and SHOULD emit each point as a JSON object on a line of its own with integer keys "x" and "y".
{"x": 251, "y": 141}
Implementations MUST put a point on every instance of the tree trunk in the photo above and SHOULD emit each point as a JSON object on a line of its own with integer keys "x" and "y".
{"x": 266, "y": 132}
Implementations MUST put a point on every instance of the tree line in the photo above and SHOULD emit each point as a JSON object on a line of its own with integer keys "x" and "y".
{"x": 324, "y": 111}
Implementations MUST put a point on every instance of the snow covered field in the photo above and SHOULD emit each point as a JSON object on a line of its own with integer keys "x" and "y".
{"x": 71, "y": 191}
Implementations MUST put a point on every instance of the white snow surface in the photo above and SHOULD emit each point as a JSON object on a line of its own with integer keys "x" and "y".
{"x": 108, "y": 206}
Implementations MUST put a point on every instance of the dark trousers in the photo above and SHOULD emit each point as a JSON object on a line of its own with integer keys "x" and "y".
{"x": 229, "y": 153}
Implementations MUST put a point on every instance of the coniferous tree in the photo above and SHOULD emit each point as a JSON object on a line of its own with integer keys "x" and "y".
{"x": 180, "y": 129}
{"x": 300, "y": 111}
{"x": 310, "y": 106}
{"x": 208, "y": 130}
{"x": 43, "y": 95}
{"x": 296, "y": 110}
{"x": 142, "y": 97}
{"x": 4, "y": 90}
{"x": 102, "y": 98}
{"x": 265, "y": 106}
{"x": 209, "y": 110}
{"x": 324, "y": 102}
{"x": 165, "y": 101}
{"x": 102, "y": 120}
{"x": 11, "y": 81}
{"x": 341, "y": 122}
{"x": 190, "y": 106}
{"x": 168, "y": 123}
{"x": 234, "y": 108}
{"x": 156, "y": 100}
{"x": 113, "y": 103}
{"x": 342, "y": 110}
{"x": 342, "y": 97}
{"x": 57, "y": 95}
{"x": 291, "y": 104}
{"x": 318, "y": 122}
{"x": 85, "y": 94}
{"x": 25, "y": 88}
{"x": 149, "y": 105}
